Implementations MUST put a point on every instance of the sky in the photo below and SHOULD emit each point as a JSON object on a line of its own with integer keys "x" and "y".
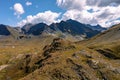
{"x": 20, "y": 12}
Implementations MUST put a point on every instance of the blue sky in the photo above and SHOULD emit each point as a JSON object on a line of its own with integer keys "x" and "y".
{"x": 20, "y": 12}
{"x": 7, "y": 14}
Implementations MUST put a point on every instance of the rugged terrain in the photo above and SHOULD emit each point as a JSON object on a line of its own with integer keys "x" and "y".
{"x": 49, "y": 57}
{"x": 60, "y": 60}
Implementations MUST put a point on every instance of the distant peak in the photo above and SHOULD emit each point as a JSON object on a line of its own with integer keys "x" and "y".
{"x": 2, "y": 25}
{"x": 69, "y": 20}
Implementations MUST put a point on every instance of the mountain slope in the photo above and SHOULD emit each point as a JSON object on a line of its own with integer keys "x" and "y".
{"x": 36, "y": 29}
{"x": 74, "y": 28}
{"x": 70, "y": 27}
{"x": 10, "y": 32}
{"x": 113, "y": 34}
{"x": 26, "y": 28}
{"x": 61, "y": 60}
{"x": 3, "y": 30}
{"x": 97, "y": 27}
{"x": 106, "y": 43}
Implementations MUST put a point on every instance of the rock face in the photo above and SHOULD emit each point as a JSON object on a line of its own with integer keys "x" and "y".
{"x": 108, "y": 53}
{"x": 34, "y": 29}
{"x": 4, "y": 31}
{"x": 75, "y": 28}
{"x": 58, "y": 44}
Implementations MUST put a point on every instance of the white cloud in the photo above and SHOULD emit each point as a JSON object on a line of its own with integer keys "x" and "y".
{"x": 102, "y": 3}
{"x": 70, "y": 4}
{"x": 28, "y": 3}
{"x": 78, "y": 4}
{"x": 102, "y": 17}
{"x": 18, "y": 8}
{"x": 47, "y": 17}
{"x": 104, "y": 12}
{"x": 81, "y": 16}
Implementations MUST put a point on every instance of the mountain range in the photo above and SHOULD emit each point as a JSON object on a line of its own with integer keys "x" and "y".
{"x": 70, "y": 27}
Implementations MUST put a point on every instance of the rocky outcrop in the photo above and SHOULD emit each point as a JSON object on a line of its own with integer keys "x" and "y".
{"x": 108, "y": 53}
{"x": 57, "y": 45}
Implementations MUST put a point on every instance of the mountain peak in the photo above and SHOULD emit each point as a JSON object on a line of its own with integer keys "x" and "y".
{"x": 70, "y": 26}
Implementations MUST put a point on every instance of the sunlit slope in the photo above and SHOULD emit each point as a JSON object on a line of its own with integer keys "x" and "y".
{"x": 60, "y": 60}
{"x": 107, "y": 43}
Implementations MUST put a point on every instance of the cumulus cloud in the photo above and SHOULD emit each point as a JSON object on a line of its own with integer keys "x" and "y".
{"x": 70, "y": 4}
{"x": 18, "y": 8}
{"x": 47, "y": 17}
{"x": 81, "y": 16}
{"x": 102, "y": 3}
{"x": 103, "y": 12}
{"x": 28, "y": 3}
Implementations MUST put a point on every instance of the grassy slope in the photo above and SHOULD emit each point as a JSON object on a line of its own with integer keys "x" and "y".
{"x": 108, "y": 41}
{"x": 71, "y": 62}
{"x": 10, "y": 47}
